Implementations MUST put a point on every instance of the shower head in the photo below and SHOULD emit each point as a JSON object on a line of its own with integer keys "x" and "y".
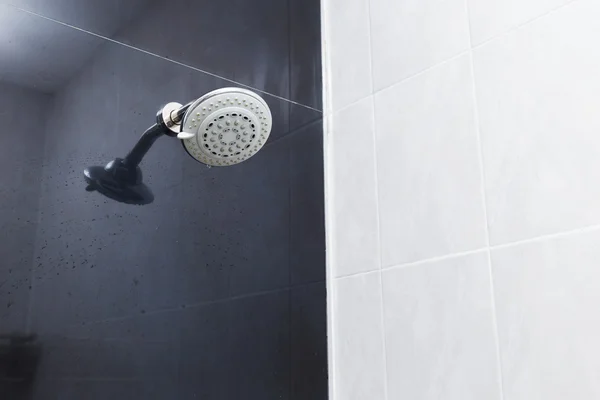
{"x": 226, "y": 127}
{"x": 119, "y": 181}
{"x": 222, "y": 128}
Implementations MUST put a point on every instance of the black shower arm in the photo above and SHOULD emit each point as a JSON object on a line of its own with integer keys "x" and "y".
{"x": 168, "y": 122}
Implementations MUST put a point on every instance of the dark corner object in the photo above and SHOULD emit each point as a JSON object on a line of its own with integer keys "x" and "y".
{"x": 224, "y": 127}
{"x": 121, "y": 179}
{"x": 19, "y": 357}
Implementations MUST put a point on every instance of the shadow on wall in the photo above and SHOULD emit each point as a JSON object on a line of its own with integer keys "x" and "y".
{"x": 19, "y": 358}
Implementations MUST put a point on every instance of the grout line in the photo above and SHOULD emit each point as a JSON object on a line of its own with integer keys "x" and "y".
{"x": 86, "y": 339}
{"x": 379, "y": 252}
{"x": 289, "y": 70}
{"x": 408, "y": 78}
{"x": 500, "y": 375}
{"x": 370, "y": 22}
{"x": 479, "y": 144}
{"x": 469, "y": 24}
{"x": 162, "y": 58}
{"x": 436, "y": 259}
{"x": 522, "y": 24}
{"x": 383, "y": 333}
{"x": 537, "y": 239}
{"x": 356, "y": 274}
{"x": 288, "y": 149}
{"x": 558, "y": 235}
{"x": 290, "y": 346}
{"x": 483, "y": 180}
{"x": 203, "y": 303}
{"x": 425, "y": 70}
{"x": 94, "y": 379}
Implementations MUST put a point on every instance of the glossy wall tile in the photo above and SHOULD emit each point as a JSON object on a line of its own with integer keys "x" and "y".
{"x": 423, "y": 32}
{"x": 356, "y": 224}
{"x": 541, "y": 152}
{"x": 490, "y": 18}
{"x": 360, "y": 358}
{"x": 439, "y": 323}
{"x": 220, "y": 279}
{"x": 20, "y": 169}
{"x": 547, "y": 294}
{"x": 429, "y": 173}
{"x": 349, "y": 64}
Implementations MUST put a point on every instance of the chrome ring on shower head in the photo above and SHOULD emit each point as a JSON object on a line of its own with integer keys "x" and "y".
{"x": 169, "y": 117}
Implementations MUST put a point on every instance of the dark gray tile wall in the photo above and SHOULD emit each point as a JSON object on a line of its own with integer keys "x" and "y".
{"x": 307, "y": 213}
{"x": 308, "y": 344}
{"x": 305, "y": 52}
{"x": 23, "y": 113}
{"x": 102, "y": 17}
{"x": 270, "y": 45}
{"x": 216, "y": 290}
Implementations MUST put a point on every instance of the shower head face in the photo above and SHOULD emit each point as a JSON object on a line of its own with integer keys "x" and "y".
{"x": 230, "y": 126}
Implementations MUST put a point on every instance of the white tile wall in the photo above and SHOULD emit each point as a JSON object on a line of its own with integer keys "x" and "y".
{"x": 409, "y": 36}
{"x": 547, "y": 297}
{"x": 430, "y": 187}
{"x": 539, "y": 94}
{"x": 348, "y": 52}
{"x": 355, "y": 220}
{"x": 440, "y": 332}
{"x": 359, "y": 352}
{"x": 489, "y": 18}
{"x": 486, "y": 118}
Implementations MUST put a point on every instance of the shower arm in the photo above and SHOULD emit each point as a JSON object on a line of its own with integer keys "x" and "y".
{"x": 168, "y": 122}
{"x": 121, "y": 179}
